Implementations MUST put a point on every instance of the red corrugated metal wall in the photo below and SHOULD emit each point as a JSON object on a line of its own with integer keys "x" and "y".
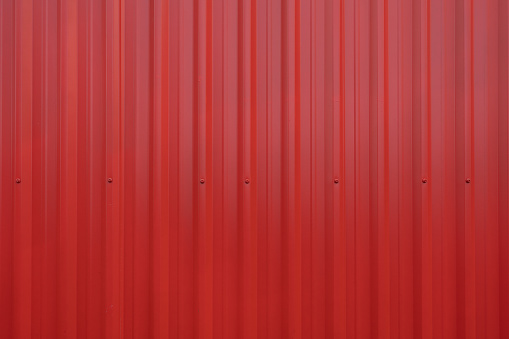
{"x": 254, "y": 169}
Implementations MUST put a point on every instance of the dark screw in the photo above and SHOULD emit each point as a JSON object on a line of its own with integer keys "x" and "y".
{"x": 110, "y": 180}
{"x": 202, "y": 181}
{"x": 424, "y": 180}
{"x": 18, "y": 180}
{"x": 467, "y": 180}
{"x": 246, "y": 181}
{"x": 336, "y": 181}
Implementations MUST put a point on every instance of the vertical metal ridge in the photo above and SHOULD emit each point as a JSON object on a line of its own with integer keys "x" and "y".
{"x": 296, "y": 321}
{"x": 22, "y": 223}
{"x": 7, "y": 175}
{"x": 503, "y": 151}
{"x": 174, "y": 171}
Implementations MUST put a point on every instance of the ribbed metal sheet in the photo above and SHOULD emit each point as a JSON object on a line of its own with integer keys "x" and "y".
{"x": 254, "y": 169}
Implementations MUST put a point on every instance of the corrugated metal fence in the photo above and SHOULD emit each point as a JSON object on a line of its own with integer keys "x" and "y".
{"x": 254, "y": 169}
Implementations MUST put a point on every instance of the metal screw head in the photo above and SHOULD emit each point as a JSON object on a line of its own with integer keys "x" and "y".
{"x": 246, "y": 181}
{"x": 202, "y": 181}
{"x": 424, "y": 180}
{"x": 18, "y": 180}
{"x": 336, "y": 181}
{"x": 110, "y": 180}
{"x": 467, "y": 180}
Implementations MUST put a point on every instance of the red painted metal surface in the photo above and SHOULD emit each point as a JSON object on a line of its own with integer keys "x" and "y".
{"x": 254, "y": 169}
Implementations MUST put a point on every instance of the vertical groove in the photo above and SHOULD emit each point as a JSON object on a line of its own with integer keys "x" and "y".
{"x": 297, "y": 327}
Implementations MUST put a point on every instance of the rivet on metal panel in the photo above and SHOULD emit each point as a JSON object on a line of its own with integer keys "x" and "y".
{"x": 467, "y": 180}
{"x": 336, "y": 181}
{"x": 424, "y": 180}
{"x": 246, "y": 181}
{"x": 18, "y": 180}
{"x": 110, "y": 180}
{"x": 202, "y": 181}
